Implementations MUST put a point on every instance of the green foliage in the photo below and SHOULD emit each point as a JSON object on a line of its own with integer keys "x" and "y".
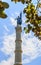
{"x": 23, "y": 1}
{"x": 32, "y": 18}
{"x": 3, "y": 6}
{"x": 3, "y": 15}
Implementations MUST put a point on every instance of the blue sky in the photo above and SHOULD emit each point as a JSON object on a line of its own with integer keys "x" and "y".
{"x": 31, "y": 45}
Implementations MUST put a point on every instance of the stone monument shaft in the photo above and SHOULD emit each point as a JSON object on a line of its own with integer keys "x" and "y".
{"x": 18, "y": 41}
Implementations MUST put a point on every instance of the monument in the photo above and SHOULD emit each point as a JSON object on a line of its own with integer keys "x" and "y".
{"x": 18, "y": 42}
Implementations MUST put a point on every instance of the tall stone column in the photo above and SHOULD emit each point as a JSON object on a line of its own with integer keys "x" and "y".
{"x": 18, "y": 44}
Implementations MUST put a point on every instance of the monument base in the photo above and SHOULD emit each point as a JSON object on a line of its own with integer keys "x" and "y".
{"x": 17, "y": 64}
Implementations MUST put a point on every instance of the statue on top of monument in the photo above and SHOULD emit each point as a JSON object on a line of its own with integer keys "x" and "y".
{"x": 19, "y": 19}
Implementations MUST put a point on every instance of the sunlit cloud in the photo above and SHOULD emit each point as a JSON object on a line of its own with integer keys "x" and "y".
{"x": 9, "y": 44}
{"x": 6, "y": 28}
{"x": 17, "y": 13}
{"x": 13, "y": 21}
{"x": 31, "y": 49}
{"x": 9, "y": 47}
{"x": 10, "y": 61}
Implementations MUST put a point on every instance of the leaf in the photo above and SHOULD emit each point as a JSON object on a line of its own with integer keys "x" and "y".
{"x": 22, "y": 1}
{"x": 6, "y": 5}
{"x": 24, "y": 28}
{"x": 3, "y": 15}
{"x": 26, "y": 21}
{"x": 1, "y": 6}
{"x": 39, "y": 5}
{"x": 27, "y": 31}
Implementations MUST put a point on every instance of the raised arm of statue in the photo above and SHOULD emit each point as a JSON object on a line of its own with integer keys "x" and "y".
{"x": 19, "y": 19}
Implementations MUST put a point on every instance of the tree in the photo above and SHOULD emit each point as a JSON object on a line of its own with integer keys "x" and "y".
{"x": 33, "y": 20}
{"x": 3, "y": 6}
{"x": 23, "y": 1}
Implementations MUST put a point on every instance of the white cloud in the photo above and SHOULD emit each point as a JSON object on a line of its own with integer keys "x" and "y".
{"x": 13, "y": 21}
{"x": 9, "y": 44}
{"x": 31, "y": 49}
{"x": 17, "y": 13}
{"x": 6, "y": 28}
{"x": 10, "y": 61}
{"x": 29, "y": 46}
{"x": 9, "y": 47}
